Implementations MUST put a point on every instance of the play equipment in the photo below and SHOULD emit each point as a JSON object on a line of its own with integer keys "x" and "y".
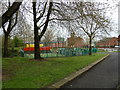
{"x": 22, "y": 53}
{"x": 32, "y": 45}
{"x": 55, "y": 49}
{"x": 31, "y": 49}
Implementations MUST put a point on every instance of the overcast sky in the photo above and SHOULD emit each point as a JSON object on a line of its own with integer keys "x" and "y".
{"x": 111, "y": 13}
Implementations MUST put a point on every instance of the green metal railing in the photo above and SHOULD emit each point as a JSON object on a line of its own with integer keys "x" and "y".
{"x": 61, "y": 52}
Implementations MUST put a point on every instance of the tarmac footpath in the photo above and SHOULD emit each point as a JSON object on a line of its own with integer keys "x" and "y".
{"x": 100, "y": 74}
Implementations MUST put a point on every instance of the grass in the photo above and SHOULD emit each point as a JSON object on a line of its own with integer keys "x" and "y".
{"x": 44, "y": 55}
{"x": 117, "y": 51}
{"x": 21, "y": 72}
{"x": 99, "y": 50}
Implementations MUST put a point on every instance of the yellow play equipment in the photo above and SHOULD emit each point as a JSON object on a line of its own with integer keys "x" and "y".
{"x": 32, "y": 45}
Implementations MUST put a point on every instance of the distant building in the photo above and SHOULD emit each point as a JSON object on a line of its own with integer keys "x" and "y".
{"x": 108, "y": 42}
{"x": 75, "y": 42}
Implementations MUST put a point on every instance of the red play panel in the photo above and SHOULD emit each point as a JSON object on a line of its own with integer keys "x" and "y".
{"x": 32, "y": 48}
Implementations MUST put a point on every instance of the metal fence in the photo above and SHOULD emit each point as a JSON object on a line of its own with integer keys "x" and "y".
{"x": 60, "y": 52}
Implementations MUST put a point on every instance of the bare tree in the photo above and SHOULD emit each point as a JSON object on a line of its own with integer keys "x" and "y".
{"x": 92, "y": 21}
{"x": 23, "y": 29}
{"x": 37, "y": 37}
{"x": 11, "y": 24}
{"x": 82, "y": 18}
{"x": 48, "y": 36}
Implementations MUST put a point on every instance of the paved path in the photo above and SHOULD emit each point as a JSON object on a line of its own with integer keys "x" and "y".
{"x": 103, "y": 75}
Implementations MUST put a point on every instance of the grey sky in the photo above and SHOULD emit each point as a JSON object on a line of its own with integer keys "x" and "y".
{"x": 111, "y": 13}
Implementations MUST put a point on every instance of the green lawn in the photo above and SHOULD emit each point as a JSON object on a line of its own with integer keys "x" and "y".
{"x": 21, "y": 72}
{"x": 117, "y": 51}
{"x": 45, "y": 55}
{"x": 99, "y": 50}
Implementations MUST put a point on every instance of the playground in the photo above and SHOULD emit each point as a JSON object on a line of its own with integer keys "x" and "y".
{"x": 47, "y": 50}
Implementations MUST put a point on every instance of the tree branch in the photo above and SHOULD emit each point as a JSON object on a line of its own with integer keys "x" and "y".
{"x": 8, "y": 14}
{"x": 15, "y": 21}
{"x": 41, "y": 15}
{"x": 84, "y": 29}
{"x": 4, "y": 29}
{"x": 47, "y": 20}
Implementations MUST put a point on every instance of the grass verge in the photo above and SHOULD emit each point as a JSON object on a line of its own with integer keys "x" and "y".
{"x": 21, "y": 72}
{"x": 99, "y": 50}
{"x": 117, "y": 51}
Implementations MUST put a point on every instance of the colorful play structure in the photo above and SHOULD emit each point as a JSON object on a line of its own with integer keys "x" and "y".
{"x": 29, "y": 49}
{"x": 47, "y": 50}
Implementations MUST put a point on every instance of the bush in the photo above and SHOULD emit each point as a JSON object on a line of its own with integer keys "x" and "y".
{"x": 12, "y": 52}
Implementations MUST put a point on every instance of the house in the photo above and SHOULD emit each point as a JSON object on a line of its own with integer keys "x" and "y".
{"x": 108, "y": 42}
{"x": 75, "y": 42}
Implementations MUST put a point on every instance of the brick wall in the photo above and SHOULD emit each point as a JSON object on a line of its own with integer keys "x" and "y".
{"x": 108, "y": 42}
{"x": 75, "y": 42}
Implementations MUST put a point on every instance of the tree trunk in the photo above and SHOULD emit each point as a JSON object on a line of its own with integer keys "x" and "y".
{"x": 36, "y": 37}
{"x": 5, "y": 54}
{"x": 90, "y": 46}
